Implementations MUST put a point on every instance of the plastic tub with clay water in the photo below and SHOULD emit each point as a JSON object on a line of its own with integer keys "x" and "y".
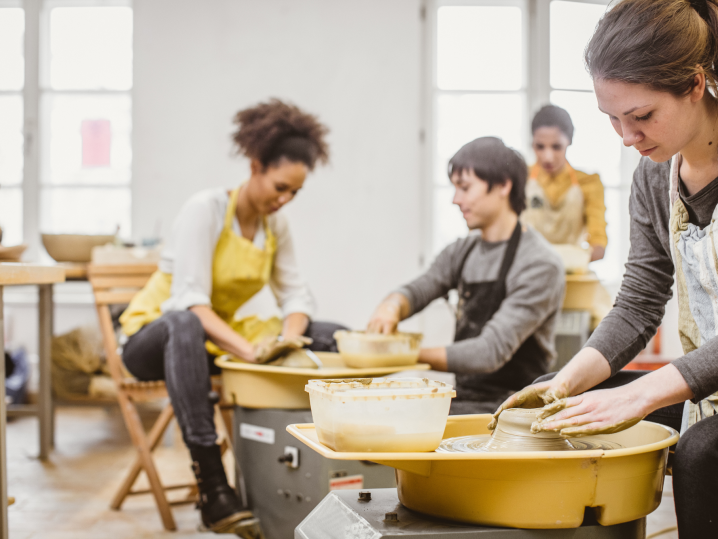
{"x": 380, "y": 414}
{"x": 361, "y": 350}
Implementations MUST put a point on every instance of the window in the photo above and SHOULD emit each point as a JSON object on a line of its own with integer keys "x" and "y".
{"x": 478, "y": 89}
{"x": 479, "y": 86}
{"x": 86, "y": 120}
{"x": 596, "y": 148}
{"x": 76, "y": 109}
{"x": 12, "y": 76}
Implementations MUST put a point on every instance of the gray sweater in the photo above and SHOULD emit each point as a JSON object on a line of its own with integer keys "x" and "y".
{"x": 647, "y": 282}
{"x": 534, "y": 292}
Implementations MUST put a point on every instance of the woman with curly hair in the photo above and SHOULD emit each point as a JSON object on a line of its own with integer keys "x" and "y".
{"x": 224, "y": 248}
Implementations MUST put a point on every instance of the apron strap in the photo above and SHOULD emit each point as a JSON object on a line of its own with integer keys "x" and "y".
{"x": 507, "y": 261}
{"x": 510, "y": 254}
{"x": 231, "y": 208}
{"x": 673, "y": 178}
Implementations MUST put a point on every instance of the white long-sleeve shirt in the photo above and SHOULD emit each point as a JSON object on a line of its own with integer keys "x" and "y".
{"x": 188, "y": 256}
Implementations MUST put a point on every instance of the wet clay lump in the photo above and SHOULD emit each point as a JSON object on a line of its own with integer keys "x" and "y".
{"x": 513, "y": 433}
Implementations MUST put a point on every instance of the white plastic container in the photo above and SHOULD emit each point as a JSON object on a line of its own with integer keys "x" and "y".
{"x": 361, "y": 350}
{"x": 380, "y": 414}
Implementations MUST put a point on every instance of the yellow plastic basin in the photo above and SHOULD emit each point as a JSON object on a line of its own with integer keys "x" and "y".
{"x": 542, "y": 490}
{"x": 266, "y": 386}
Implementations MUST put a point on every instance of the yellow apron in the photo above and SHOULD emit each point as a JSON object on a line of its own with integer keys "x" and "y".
{"x": 239, "y": 270}
{"x": 694, "y": 256}
{"x": 560, "y": 223}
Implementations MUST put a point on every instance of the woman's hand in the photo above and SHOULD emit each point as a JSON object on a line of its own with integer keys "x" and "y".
{"x": 275, "y": 347}
{"x": 221, "y": 334}
{"x": 388, "y": 314}
{"x": 533, "y": 396}
{"x": 596, "y": 412}
{"x": 597, "y": 252}
{"x": 612, "y": 410}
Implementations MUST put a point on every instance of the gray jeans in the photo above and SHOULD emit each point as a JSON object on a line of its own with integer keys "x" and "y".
{"x": 172, "y": 349}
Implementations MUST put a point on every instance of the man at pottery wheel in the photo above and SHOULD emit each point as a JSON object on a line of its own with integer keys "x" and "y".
{"x": 653, "y": 64}
{"x": 510, "y": 284}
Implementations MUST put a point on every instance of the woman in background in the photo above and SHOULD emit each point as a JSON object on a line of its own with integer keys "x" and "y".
{"x": 564, "y": 204}
{"x": 224, "y": 248}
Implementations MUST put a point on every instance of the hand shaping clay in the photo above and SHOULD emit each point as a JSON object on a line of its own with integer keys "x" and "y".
{"x": 513, "y": 433}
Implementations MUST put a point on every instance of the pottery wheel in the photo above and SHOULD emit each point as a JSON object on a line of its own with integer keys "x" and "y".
{"x": 513, "y": 433}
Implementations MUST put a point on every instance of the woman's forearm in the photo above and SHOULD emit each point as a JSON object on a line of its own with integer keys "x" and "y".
{"x": 587, "y": 369}
{"x": 221, "y": 334}
{"x": 295, "y": 325}
{"x": 661, "y": 388}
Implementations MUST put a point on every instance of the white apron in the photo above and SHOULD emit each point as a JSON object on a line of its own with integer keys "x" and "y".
{"x": 694, "y": 256}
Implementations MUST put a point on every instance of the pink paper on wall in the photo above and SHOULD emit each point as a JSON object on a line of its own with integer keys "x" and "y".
{"x": 96, "y": 139}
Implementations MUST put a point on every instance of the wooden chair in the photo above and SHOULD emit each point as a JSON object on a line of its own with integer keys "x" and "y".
{"x": 116, "y": 285}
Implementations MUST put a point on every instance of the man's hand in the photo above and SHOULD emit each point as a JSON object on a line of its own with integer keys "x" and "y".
{"x": 388, "y": 314}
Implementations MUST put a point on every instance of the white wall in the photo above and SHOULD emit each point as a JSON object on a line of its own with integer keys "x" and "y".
{"x": 356, "y": 224}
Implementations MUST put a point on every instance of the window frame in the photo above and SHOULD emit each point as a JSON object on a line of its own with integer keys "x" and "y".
{"x": 537, "y": 85}
{"x": 428, "y": 134}
{"x": 35, "y": 121}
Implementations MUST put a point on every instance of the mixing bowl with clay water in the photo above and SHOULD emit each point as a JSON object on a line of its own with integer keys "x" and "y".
{"x": 380, "y": 414}
{"x": 361, "y": 350}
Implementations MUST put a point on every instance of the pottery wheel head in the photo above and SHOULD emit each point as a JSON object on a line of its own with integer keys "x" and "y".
{"x": 513, "y": 433}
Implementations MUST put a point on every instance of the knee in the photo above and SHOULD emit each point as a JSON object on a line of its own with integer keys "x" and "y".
{"x": 185, "y": 322}
{"x": 545, "y": 377}
{"x": 696, "y": 450}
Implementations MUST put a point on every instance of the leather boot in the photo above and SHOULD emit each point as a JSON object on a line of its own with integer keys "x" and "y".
{"x": 218, "y": 502}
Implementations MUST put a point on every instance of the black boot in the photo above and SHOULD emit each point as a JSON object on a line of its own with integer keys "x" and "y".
{"x": 218, "y": 502}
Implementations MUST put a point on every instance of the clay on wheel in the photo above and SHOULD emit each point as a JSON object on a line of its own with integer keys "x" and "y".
{"x": 513, "y": 433}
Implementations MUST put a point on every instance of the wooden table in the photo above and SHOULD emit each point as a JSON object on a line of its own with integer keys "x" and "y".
{"x": 44, "y": 277}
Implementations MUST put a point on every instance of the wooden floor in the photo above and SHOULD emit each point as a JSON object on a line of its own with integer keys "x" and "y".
{"x": 68, "y": 497}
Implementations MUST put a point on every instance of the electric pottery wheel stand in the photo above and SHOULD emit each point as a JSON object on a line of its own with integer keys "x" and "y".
{"x": 280, "y": 481}
{"x": 602, "y": 489}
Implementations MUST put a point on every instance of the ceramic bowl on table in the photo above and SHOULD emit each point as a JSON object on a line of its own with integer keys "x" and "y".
{"x": 361, "y": 350}
{"x": 12, "y": 253}
{"x": 73, "y": 247}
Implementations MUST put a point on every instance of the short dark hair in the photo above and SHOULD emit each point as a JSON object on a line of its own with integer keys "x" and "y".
{"x": 553, "y": 116}
{"x": 495, "y": 163}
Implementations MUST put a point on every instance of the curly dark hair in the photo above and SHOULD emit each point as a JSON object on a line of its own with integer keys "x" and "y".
{"x": 274, "y": 130}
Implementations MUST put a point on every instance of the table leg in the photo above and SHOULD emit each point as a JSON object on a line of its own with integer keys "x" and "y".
{"x": 45, "y": 408}
{"x": 3, "y": 424}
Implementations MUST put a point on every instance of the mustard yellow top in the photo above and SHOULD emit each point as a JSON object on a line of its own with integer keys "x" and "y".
{"x": 556, "y": 187}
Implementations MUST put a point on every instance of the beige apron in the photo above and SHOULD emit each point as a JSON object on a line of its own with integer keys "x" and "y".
{"x": 240, "y": 269}
{"x": 694, "y": 256}
{"x": 560, "y": 223}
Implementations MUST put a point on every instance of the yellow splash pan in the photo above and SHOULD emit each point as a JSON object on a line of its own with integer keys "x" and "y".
{"x": 266, "y": 386}
{"x": 540, "y": 489}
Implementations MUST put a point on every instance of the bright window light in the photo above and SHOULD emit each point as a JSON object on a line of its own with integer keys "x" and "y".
{"x": 462, "y": 118}
{"x": 91, "y": 48}
{"x": 86, "y": 210}
{"x": 596, "y": 146}
{"x": 11, "y": 215}
{"x": 479, "y": 48}
{"x": 572, "y": 25}
{"x": 11, "y": 140}
{"x": 12, "y": 62}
